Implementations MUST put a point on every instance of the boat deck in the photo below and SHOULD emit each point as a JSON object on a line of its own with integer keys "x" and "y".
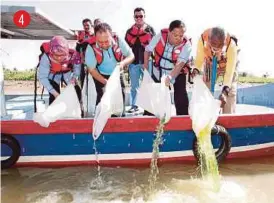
{"x": 21, "y": 107}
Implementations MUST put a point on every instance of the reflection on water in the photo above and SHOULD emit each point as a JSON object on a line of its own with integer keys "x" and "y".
{"x": 242, "y": 181}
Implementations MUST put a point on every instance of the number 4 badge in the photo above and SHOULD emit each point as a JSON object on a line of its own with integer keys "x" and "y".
{"x": 21, "y": 19}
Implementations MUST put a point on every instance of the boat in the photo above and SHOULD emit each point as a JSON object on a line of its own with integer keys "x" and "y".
{"x": 125, "y": 141}
{"x": 128, "y": 141}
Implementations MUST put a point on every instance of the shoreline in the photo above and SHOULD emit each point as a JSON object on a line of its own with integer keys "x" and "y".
{"x": 21, "y": 87}
{"x": 24, "y": 87}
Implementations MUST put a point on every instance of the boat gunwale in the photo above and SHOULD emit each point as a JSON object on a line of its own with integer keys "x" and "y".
{"x": 130, "y": 124}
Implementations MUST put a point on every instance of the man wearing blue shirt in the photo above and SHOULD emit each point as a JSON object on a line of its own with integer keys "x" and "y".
{"x": 102, "y": 57}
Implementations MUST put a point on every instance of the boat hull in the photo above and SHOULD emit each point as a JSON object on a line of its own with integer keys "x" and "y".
{"x": 128, "y": 141}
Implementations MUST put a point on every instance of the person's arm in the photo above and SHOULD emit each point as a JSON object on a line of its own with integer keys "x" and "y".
{"x": 182, "y": 60}
{"x": 91, "y": 63}
{"x": 230, "y": 69}
{"x": 127, "y": 52}
{"x": 147, "y": 55}
{"x": 152, "y": 31}
{"x": 231, "y": 64}
{"x": 150, "y": 48}
{"x": 97, "y": 75}
{"x": 146, "y": 59}
{"x": 200, "y": 56}
{"x": 43, "y": 75}
{"x": 76, "y": 67}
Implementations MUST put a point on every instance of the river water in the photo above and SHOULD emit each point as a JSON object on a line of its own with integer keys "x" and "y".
{"x": 243, "y": 181}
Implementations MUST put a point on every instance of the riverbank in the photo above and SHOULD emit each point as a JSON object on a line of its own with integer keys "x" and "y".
{"x": 22, "y": 82}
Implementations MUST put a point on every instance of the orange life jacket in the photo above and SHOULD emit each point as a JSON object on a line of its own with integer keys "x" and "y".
{"x": 160, "y": 48}
{"x": 91, "y": 40}
{"x": 115, "y": 49}
{"x": 221, "y": 56}
{"x": 135, "y": 33}
{"x": 74, "y": 58}
{"x": 83, "y": 46}
{"x": 83, "y": 36}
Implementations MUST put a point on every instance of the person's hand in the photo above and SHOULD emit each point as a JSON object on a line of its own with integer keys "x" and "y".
{"x": 145, "y": 67}
{"x": 224, "y": 95}
{"x": 73, "y": 81}
{"x": 185, "y": 70}
{"x": 55, "y": 94}
{"x": 222, "y": 98}
{"x": 167, "y": 80}
{"x": 194, "y": 73}
{"x": 121, "y": 64}
{"x": 105, "y": 82}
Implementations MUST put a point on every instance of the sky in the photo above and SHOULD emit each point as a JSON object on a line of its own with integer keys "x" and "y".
{"x": 249, "y": 20}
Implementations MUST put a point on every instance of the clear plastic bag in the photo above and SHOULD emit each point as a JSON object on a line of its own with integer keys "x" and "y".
{"x": 66, "y": 105}
{"x": 204, "y": 111}
{"x": 111, "y": 103}
{"x": 89, "y": 96}
{"x": 203, "y": 108}
{"x": 155, "y": 97}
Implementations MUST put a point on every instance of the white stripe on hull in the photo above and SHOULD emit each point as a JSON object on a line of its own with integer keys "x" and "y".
{"x": 252, "y": 147}
{"x": 128, "y": 156}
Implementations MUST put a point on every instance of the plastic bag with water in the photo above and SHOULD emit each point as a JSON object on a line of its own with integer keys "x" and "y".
{"x": 89, "y": 96}
{"x": 155, "y": 97}
{"x": 66, "y": 105}
{"x": 111, "y": 103}
{"x": 204, "y": 111}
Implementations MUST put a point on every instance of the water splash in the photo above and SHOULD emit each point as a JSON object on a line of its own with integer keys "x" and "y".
{"x": 197, "y": 190}
{"x": 99, "y": 180}
{"x": 207, "y": 159}
{"x": 154, "y": 171}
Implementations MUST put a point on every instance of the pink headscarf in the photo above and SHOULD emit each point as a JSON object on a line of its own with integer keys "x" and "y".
{"x": 59, "y": 49}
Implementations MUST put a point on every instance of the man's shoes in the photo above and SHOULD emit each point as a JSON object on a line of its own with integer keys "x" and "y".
{"x": 133, "y": 109}
{"x": 146, "y": 113}
{"x": 116, "y": 116}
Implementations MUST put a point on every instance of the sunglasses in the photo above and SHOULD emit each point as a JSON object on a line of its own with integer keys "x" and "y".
{"x": 138, "y": 16}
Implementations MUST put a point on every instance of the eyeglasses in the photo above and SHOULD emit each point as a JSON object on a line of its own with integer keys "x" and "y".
{"x": 138, "y": 16}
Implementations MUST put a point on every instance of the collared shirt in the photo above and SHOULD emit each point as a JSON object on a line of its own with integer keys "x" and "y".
{"x": 44, "y": 74}
{"x": 109, "y": 62}
{"x": 230, "y": 65}
{"x": 138, "y": 48}
{"x": 184, "y": 55}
